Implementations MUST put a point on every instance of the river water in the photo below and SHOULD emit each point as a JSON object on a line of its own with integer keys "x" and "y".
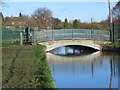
{"x": 81, "y": 67}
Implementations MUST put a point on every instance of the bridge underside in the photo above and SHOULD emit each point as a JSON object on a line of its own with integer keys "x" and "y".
{"x": 88, "y": 43}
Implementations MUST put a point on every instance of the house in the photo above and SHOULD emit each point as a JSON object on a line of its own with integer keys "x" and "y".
{"x": 16, "y": 22}
{"x": 22, "y": 21}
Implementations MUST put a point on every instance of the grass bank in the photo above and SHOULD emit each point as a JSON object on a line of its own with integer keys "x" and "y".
{"x": 115, "y": 44}
{"x": 112, "y": 46}
{"x": 25, "y": 67}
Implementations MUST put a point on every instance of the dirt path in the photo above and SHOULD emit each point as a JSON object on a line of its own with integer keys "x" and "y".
{"x": 11, "y": 73}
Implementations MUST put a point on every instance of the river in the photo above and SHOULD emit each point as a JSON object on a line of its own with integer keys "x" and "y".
{"x": 81, "y": 67}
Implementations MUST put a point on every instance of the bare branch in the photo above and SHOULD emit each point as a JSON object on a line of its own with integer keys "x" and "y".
{"x": 42, "y": 12}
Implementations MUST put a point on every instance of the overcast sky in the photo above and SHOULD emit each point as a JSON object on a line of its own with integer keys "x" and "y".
{"x": 71, "y": 10}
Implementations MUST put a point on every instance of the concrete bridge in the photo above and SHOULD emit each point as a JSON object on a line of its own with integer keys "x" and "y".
{"x": 88, "y": 43}
{"x": 84, "y": 37}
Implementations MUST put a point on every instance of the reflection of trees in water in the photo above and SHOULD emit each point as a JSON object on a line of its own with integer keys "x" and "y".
{"x": 119, "y": 72}
{"x": 114, "y": 69}
{"x": 115, "y": 62}
{"x": 110, "y": 86}
{"x": 93, "y": 65}
{"x": 114, "y": 66}
{"x": 92, "y": 68}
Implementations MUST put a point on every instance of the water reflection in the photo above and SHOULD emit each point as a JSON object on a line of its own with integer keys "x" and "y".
{"x": 95, "y": 70}
{"x": 82, "y": 58}
{"x": 72, "y": 50}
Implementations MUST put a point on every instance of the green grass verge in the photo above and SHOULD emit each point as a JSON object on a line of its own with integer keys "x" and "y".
{"x": 9, "y": 45}
{"x": 115, "y": 44}
{"x": 26, "y": 67}
{"x": 43, "y": 77}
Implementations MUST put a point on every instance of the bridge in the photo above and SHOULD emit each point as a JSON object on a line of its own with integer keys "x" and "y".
{"x": 62, "y": 37}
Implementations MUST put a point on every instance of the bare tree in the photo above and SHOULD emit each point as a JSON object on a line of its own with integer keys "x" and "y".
{"x": 42, "y": 12}
{"x": 116, "y": 12}
{"x": 56, "y": 23}
{"x": 2, "y": 2}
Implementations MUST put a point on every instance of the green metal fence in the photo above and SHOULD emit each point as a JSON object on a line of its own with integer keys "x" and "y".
{"x": 116, "y": 31}
{"x": 10, "y": 36}
{"x": 63, "y": 34}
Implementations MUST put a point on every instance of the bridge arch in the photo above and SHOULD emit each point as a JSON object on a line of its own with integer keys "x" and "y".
{"x": 59, "y": 43}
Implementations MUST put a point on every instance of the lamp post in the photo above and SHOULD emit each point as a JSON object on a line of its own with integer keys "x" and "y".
{"x": 110, "y": 12}
{"x": 110, "y": 21}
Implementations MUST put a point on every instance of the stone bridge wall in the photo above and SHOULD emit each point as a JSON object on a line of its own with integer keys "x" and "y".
{"x": 88, "y": 43}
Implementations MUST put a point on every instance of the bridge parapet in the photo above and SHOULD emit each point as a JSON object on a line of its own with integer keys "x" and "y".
{"x": 70, "y": 34}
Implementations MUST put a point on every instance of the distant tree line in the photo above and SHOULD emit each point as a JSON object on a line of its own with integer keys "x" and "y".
{"x": 77, "y": 24}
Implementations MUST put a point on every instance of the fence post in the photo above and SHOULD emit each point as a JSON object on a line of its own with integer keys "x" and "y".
{"x": 28, "y": 35}
{"x": 72, "y": 34}
{"x": 52, "y": 35}
{"x": 33, "y": 37}
{"x": 21, "y": 39}
{"x": 113, "y": 33}
{"x": 91, "y": 34}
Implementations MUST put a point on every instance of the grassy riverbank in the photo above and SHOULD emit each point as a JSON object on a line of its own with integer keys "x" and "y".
{"x": 112, "y": 46}
{"x": 115, "y": 44}
{"x": 25, "y": 67}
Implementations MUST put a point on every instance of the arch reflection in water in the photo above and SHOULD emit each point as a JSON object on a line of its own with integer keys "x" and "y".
{"x": 73, "y": 50}
{"x": 95, "y": 70}
{"x": 83, "y": 58}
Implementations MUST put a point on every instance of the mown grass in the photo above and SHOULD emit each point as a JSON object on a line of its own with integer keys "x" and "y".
{"x": 115, "y": 44}
{"x": 43, "y": 77}
{"x": 30, "y": 68}
{"x": 9, "y": 45}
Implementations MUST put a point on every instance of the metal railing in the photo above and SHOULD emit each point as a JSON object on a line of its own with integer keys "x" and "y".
{"x": 64, "y": 34}
{"x": 13, "y": 35}
{"x": 10, "y": 36}
{"x": 116, "y": 32}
